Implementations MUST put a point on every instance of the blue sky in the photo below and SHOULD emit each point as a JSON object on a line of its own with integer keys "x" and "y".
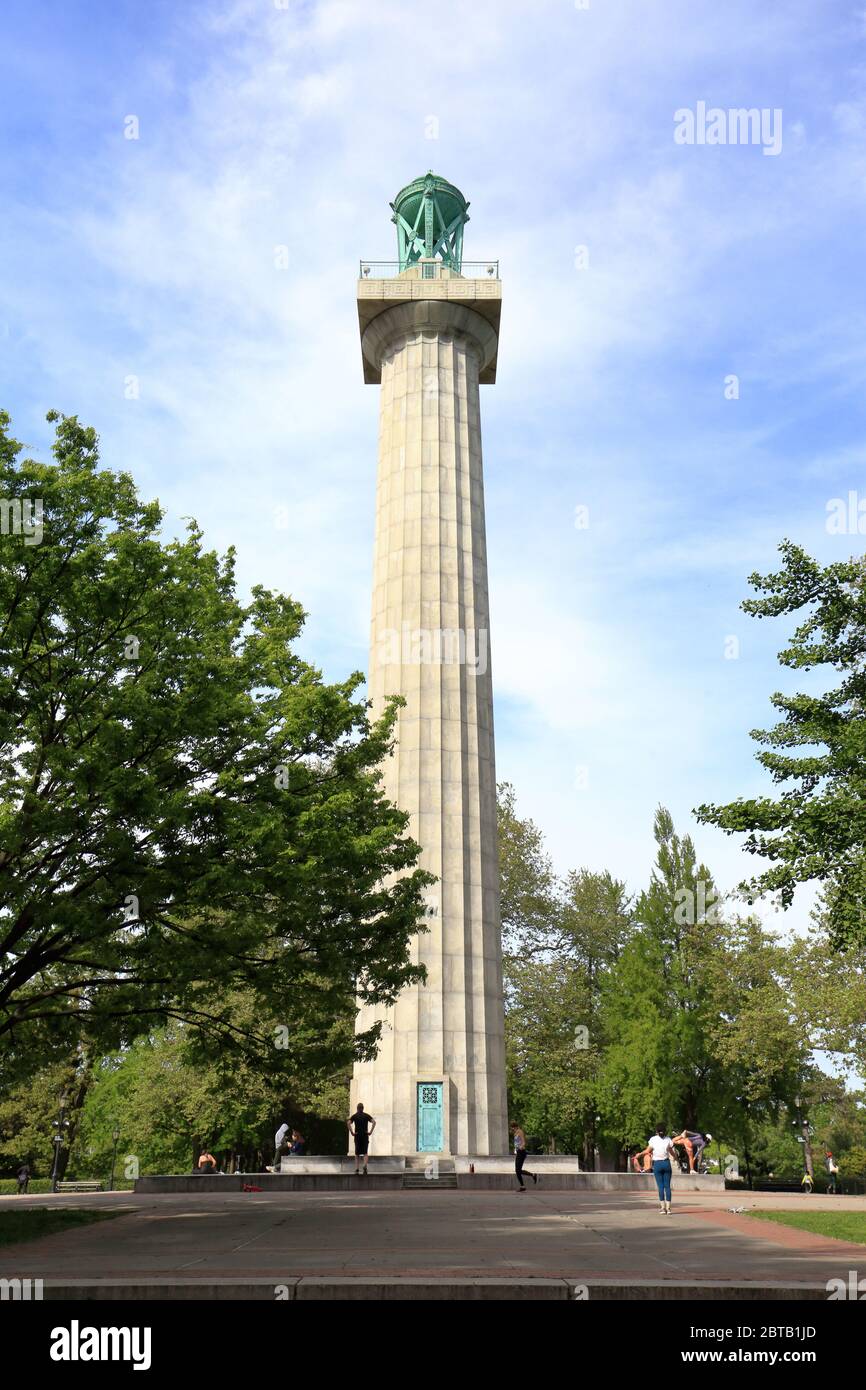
{"x": 262, "y": 126}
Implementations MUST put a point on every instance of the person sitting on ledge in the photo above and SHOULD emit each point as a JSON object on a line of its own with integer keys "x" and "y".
{"x": 206, "y": 1162}
{"x": 299, "y": 1144}
{"x": 642, "y": 1162}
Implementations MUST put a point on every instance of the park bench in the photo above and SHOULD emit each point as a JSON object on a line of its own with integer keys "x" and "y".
{"x": 84, "y": 1185}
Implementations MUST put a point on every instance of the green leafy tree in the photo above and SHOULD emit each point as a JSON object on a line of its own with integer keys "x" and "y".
{"x": 549, "y": 1068}
{"x": 167, "y": 1100}
{"x": 530, "y": 898}
{"x": 30, "y": 1115}
{"x": 753, "y": 1030}
{"x": 756, "y": 1038}
{"x": 816, "y": 828}
{"x": 657, "y": 1004}
{"x": 561, "y": 937}
{"x": 852, "y": 1163}
{"x": 827, "y": 994}
{"x": 774, "y": 1153}
{"x": 186, "y": 808}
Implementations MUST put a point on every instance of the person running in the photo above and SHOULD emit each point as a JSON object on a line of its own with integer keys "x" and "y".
{"x": 361, "y": 1126}
{"x": 520, "y": 1158}
{"x": 661, "y": 1148}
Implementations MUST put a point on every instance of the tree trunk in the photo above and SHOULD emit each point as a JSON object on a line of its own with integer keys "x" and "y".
{"x": 76, "y": 1095}
{"x": 807, "y": 1149}
{"x": 691, "y": 1121}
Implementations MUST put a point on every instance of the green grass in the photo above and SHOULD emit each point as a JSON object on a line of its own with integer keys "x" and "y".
{"x": 843, "y": 1225}
{"x": 8, "y": 1186}
{"x": 29, "y": 1223}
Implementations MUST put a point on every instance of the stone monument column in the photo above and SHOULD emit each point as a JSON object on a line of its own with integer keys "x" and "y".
{"x": 430, "y": 336}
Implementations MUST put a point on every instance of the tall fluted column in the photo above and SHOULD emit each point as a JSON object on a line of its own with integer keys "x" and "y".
{"x": 430, "y": 642}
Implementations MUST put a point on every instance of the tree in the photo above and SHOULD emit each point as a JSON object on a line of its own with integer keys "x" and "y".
{"x": 549, "y": 1065}
{"x": 816, "y": 829}
{"x": 167, "y": 1102}
{"x": 827, "y": 993}
{"x": 657, "y": 1004}
{"x": 755, "y": 1036}
{"x": 186, "y": 808}
{"x": 853, "y": 1163}
{"x": 597, "y": 922}
{"x": 561, "y": 937}
{"x": 530, "y": 898}
{"x": 29, "y": 1118}
{"x": 755, "y": 1033}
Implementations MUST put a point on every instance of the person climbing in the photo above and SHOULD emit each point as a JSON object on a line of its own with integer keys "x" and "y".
{"x": 694, "y": 1144}
{"x": 279, "y": 1144}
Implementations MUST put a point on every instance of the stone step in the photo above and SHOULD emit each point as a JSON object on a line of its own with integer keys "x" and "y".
{"x": 416, "y": 1181}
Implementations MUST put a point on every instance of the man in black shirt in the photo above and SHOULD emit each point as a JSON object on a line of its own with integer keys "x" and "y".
{"x": 361, "y": 1126}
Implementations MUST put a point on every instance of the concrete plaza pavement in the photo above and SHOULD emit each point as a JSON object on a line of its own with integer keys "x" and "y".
{"x": 335, "y": 1244}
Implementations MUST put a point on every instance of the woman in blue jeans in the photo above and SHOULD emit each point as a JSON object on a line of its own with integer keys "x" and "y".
{"x": 661, "y": 1150}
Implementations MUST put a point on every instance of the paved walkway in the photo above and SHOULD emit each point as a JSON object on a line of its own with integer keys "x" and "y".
{"x": 543, "y": 1234}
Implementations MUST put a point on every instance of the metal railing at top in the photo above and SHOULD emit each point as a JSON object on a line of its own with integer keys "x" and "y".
{"x": 388, "y": 270}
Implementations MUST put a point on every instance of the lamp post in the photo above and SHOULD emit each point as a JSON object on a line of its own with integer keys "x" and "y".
{"x": 804, "y": 1139}
{"x": 115, "y": 1134}
{"x": 62, "y": 1123}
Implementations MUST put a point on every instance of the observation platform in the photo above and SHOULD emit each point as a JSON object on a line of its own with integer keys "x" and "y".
{"x": 382, "y": 284}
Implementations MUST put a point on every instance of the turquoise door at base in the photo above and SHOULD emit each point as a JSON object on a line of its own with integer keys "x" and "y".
{"x": 431, "y": 1131}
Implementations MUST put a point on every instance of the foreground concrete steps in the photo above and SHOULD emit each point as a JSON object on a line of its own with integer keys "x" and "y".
{"x": 445, "y": 1182}
{"x": 527, "y": 1288}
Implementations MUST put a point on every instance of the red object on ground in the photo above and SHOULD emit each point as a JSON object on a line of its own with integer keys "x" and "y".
{"x": 248, "y": 1187}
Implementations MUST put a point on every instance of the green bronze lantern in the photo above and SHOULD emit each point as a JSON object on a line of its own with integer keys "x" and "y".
{"x": 430, "y": 214}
